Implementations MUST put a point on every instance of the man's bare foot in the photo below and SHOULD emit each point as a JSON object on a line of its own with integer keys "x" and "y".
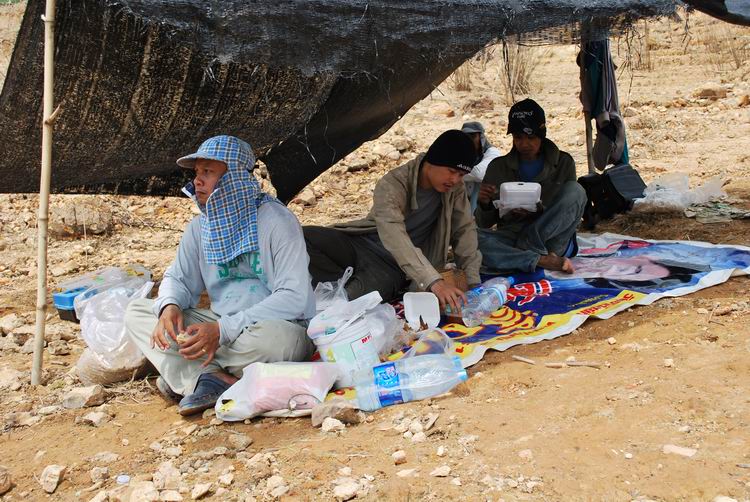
{"x": 554, "y": 262}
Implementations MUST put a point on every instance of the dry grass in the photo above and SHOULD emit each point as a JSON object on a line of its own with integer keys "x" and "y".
{"x": 518, "y": 65}
{"x": 634, "y": 48}
{"x": 727, "y": 46}
{"x": 461, "y": 78}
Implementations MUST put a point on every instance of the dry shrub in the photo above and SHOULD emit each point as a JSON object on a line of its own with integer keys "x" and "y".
{"x": 643, "y": 122}
{"x": 636, "y": 45}
{"x": 478, "y": 105}
{"x": 727, "y": 47}
{"x": 462, "y": 77}
{"x": 518, "y": 65}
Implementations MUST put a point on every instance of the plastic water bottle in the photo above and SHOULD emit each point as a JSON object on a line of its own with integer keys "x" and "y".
{"x": 408, "y": 379}
{"x": 485, "y": 300}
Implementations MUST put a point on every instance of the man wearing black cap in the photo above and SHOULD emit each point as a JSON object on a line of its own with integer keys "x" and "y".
{"x": 419, "y": 210}
{"x": 525, "y": 240}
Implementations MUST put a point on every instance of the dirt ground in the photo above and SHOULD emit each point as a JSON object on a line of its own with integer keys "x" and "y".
{"x": 676, "y": 374}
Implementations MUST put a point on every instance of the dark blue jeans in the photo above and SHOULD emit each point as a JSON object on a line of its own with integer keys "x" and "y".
{"x": 518, "y": 247}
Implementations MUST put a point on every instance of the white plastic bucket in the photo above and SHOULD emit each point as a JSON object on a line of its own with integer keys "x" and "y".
{"x": 352, "y": 347}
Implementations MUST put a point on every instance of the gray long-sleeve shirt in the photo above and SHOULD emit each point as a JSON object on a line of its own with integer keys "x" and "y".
{"x": 271, "y": 283}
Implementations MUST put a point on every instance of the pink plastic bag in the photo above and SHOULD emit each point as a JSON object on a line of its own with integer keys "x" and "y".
{"x": 266, "y": 387}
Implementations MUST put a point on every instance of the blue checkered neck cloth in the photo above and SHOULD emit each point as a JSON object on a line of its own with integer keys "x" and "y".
{"x": 229, "y": 225}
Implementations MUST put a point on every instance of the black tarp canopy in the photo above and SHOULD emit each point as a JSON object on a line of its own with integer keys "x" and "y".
{"x": 141, "y": 82}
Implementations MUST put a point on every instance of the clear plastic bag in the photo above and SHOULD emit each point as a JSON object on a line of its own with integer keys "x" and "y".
{"x": 384, "y": 326}
{"x": 269, "y": 387}
{"x": 102, "y": 280}
{"x": 338, "y": 316}
{"x": 103, "y": 324}
{"x": 330, "y": 293}
{"x": 93, "y": 368}
{"x": 432, "y": 341}
{"x": 672, "y": 192}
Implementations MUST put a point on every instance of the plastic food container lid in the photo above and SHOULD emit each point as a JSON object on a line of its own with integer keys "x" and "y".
{"x": 424, "y": 305}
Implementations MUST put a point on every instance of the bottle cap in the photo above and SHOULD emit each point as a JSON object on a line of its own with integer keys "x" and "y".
{"x": 457, "y": 362}
{"x": 463, "y": 376}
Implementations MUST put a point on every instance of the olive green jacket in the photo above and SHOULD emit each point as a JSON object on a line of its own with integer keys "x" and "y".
{"x": 559, "y": 168}
{"x": 394, "y": 198}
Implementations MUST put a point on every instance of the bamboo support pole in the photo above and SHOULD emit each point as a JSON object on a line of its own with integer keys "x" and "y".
{"x": 44, "y": 188}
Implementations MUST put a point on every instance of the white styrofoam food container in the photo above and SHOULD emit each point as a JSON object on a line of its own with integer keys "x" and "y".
{"x": 421, "y": 305}
{"x": 518, "y": 195}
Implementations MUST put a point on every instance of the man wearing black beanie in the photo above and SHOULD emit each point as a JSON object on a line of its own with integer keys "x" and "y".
{"x": 526, "y": 240}
{"x": 419, "y": 210}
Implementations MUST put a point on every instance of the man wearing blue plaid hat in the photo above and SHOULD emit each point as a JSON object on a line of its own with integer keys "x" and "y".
{"x": 246, "y": 250}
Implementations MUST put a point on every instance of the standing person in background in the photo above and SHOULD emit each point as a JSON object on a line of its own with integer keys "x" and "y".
{"x": 419, "y": 210}
{"x": 525, "y": 240}
{"x": 485, "y": 154}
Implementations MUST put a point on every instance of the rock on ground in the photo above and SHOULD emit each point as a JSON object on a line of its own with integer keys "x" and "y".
{"x": 74, "y": 219}
{"x": 679, "y": 450}
{"x": 51, "y": 477}
{"x": 346, "y": 489}
{"x": 405, "y": 473}
{"x": 441, "y": 472}
{"x": 341, "y": 410}
{"x": 105, "y": 457}
{"x": 170, "y": 496}
{"x": 240, "y": 442}
{"x": 306, "y": 197}
{"x": 167, "y": 477}
{"x": 10, "y": 322}
{"x": 143, "y": 491}
{"x": 6, "y": 482}
{"x": 94, "y": 419}
{"x": 332, "y": 425}
{"x": 83, "y": 397}
{"x": 99, "y": 474}
{"x": 10, "y": 378}
{"x": 200, "y": 490}
{"x": 102, "y": 496}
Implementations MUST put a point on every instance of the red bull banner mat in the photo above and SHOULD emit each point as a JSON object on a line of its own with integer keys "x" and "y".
{"x": 612, "y": 273}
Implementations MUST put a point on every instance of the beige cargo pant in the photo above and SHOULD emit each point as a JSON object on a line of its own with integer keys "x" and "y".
{"x": 265, "y": 341}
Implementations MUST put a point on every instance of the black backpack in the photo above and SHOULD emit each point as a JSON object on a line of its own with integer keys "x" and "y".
{"x": 610, "y": 192}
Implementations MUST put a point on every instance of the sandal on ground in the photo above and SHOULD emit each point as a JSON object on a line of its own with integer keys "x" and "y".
{"x": 206, "y": 393}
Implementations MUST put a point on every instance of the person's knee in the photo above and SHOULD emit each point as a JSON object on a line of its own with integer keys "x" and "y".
{"x": 274, "y": 340}
{"x": 135, "y": 311}
{"x": 572, "y": 193}
{"x": 388, "y": 285}
{"x": 487, "y": 239}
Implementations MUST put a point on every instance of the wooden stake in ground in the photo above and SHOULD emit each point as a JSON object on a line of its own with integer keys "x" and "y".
{"x": 523, "y": 359}
{"x": 44, "y": 184}
{"x": 589, "y": 143}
